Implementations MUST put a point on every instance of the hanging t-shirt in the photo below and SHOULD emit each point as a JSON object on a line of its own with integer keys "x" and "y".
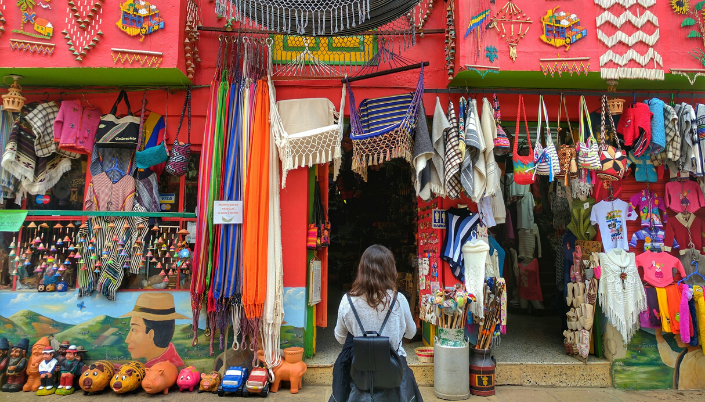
{"x": 658, "y": 268}
{"x": 647, "y": 205}
{"x": 611, "y": 217}
{"x": 684, "y": 196}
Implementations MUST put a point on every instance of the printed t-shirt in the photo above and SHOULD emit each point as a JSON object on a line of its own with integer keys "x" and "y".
{"x": 611, "y": 217}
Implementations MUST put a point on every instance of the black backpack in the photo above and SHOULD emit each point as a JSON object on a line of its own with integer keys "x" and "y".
{"x": 375, "y": 364}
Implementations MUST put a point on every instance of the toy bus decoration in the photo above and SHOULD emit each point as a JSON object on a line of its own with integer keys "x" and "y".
{"x": 139, "y": 18}
{"x": 561, "y": 28}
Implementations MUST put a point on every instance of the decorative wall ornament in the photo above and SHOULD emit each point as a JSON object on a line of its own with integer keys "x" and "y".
{"x": 450, "y": 40}
{"x": 152, "y": 59}
{"x": 46, "y": 49}
{"x": 696, "y": 19}
{"x": 644, "y": 72}
{"x": 423, "y": 12}
{"x": 686, "y": 71}
{"x": 560, "y": 65}
{"x": 476, "y": 24}
{"x": 139, "y": 17}
{"x": 2, "y": 18}
{"x": 680, "y": 6}
{"x": 561, "y": 28}
{"x": 193, "y": 21}
{"x": 482, "y": 70}
{"x": 507, "y": 20}
{"x": 491, "y": 53}
{"x": 83, "y": 32}
{"x": 41, "y": 28}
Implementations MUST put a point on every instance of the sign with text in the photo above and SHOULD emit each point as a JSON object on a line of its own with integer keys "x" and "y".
{"x": 227, "y": 212}
{"x": 11, "y": 220}
{"x": 439, "y": 219}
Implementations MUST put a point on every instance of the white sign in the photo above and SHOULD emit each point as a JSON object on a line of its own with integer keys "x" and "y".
{"x": 314, "y": 296}
{"x": 439, "y": 219}
{"x": 191, "y": 236}
{"x": 227, "y": 212}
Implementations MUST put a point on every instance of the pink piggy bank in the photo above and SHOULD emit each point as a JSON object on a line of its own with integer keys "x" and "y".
{"x": 159, "y": 378}
{"x": 188, "y": 379}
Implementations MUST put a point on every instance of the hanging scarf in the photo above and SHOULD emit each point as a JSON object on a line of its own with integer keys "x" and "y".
{"x": 8, "y": 182}
{"x": 439, "y": 126}
{"x": 453, "y": 156}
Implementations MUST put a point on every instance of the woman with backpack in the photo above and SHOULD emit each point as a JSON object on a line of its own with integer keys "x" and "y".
{"x": 372, "y": 320}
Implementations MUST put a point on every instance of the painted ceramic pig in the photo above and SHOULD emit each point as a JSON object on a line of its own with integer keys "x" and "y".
{"x": 209, "y": 382}
{"x": 188, "y": 379}
{"x": 159, "y": 378}
{"x": 128, "y": 378}
{"x": 96, "y": 376}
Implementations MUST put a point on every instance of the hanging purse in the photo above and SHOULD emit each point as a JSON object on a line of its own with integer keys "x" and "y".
{"x": 501, "y": 143}
{"x": 566, "y": 153}
{"x": 612, "y": 160}
{"x": 313, "y": 236}
{"x": 546, "y": 158}
{"x": 524, "y": 166}
{"x": 588, "y": 150}
{"x": 146, "y": 158}
{"x": 114, "y": 132}
{"x": 177, "y": 164}
{"x": 322, "y": 222}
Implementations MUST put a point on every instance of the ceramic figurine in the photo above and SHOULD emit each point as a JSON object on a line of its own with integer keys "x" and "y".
{"x": 47, "y": 371}
{"x": 96, "y": 376}
{"x": 69, "y": 367}
{"x": 4, "y": 359}
{"x": 33, "y": 377}
{"x": 159, "y": 378}
{"x": 209, "y": 382}
{"x": 292, "y": 369}
{"x": 128, "y": 378}
{"x": 188, "y": 378}
{"x": 16, "y": 367}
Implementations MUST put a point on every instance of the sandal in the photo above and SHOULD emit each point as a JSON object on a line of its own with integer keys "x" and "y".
{"x": 587, "y": 312}
{"x": 572, "y": 319}
{"x": 568, "y": 342}
{"x": 579, "y": 294}
{"x": 570, "y": 296}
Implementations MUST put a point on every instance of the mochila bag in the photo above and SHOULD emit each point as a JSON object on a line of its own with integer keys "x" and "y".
{"x": 177, "y": 164}
{"x": 566, "y": 152}
{"x": 114, "y": 132}
{"x": 613, "y": 161}
{"x": 501, "y": 143}
{"x": 524, "y": 166}
{"x": 588, "y": 150}
{"x": 322, "y": 222}
{"x": 146, "y": 158}
{"x": 546, "y": 158}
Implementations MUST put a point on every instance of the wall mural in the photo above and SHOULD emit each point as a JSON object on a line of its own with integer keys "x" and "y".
{"x": 150, "y": 327}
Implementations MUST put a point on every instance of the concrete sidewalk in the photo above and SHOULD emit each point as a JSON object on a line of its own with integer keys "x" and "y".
{"x": 321, "y": 394}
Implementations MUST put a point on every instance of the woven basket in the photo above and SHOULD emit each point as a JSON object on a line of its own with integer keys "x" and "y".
{"x": 425, "y": 354}
{"x": 616, "y": 105}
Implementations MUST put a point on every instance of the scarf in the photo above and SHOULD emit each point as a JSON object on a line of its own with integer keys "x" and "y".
{"x": 489, "y": 129}
{"x": 658, "y": 129}
{"x": 423, "y": 152}
{"x": 8, "y": 182}
{"x": 622, "y": 300}
{"x": 453, "y": 156}
{"x": 475, "y": 254}
{"x": 19, "y": 158}
{"x": 663, "y": 309}
{"x": 700, "y": 312}
{"x": 684, "y": 313}
{"x": 478, "y": 157}
{"x": 440, "y": 124}
{"x": 472, "y": 149}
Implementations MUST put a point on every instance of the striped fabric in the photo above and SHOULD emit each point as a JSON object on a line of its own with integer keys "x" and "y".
{"x": 381, "y": 115}
{"x": 104, "y": 195}
{"x": 460, "y": 225}
{"x": 454, "y": 158}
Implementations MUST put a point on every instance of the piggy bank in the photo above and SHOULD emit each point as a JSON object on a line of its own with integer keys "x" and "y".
{"x": 159, "y": 378}
{"x": 96, "y": 377}
{"x": 188, "y": 378}
{"x": 128, "y": 378}
{"x": 209, "y": 382}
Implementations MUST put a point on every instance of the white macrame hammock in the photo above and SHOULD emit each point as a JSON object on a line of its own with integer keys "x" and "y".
{"x": 308, "y": 148}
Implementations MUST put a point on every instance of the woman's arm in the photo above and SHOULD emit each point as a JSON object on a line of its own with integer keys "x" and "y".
{"x": 410, "y": 330}
{"x": 341, "y": 331}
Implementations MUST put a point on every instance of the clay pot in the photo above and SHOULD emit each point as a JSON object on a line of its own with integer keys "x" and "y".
{"x": 293, "y": 354}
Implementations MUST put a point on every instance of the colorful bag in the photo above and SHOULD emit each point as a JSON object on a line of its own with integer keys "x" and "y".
{"x": 524, "y": 166}
{"x": 566, "y": 153}
{"x": 501, "y": 143}
{"x": 114, "y": 132}
{"x": 588, "y": 150}
{"x": 318, "y": 236}
{"x": 613, "y": 160}
{"x": 148, "y": 157}
{"x": 177, "y": 164}
{"x": 546, "y": 158}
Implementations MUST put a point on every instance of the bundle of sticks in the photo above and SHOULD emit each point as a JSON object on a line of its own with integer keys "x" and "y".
{"x": 493, "y": 309}
{"x": 452, "y": 307}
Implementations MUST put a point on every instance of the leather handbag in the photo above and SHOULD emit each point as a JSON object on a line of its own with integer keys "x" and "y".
{"x": 114, "y": 132}
{"x": 546, "y": 158}
{"x": 375, "y": 364}
{"x": 148, "y": 157}
{"x": 177, "y": 164}
{"x": 613, "y": 160}
{"x": 588, "y": 150}
{"x": 524, "y": 166}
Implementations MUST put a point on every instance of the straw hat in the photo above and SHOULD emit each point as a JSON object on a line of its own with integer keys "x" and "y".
{"x": 155, "y": 306}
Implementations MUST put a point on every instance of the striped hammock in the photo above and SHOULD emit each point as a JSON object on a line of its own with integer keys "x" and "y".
{"x": 381, "y": 128}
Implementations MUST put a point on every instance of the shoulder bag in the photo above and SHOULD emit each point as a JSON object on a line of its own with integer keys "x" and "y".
{"x": 566, "y": 152}
{"x": 612, "y": 160}
{"x": 177, "y": 164}
{"x": 114, "y": 132}
{"x": 546, "y": 158}
{"x": 145, "y": 159}
{"x": 524, "y": 166}
{"x": 375, "y": 363}
{"x": 588, "y": 151}
{"x": 501, "y": 143}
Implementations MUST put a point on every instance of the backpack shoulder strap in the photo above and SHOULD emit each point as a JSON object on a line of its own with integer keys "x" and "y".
{"x": 357, "y": 317}
{"x": 391, "y": 306}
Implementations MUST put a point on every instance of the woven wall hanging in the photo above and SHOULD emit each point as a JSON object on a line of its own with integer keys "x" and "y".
{"x": 568, "y": 65}
{"x": 127, "y": 56}
{"x": 690, "y": 74}
{"x": 47, "y": 49}
{"x": 512, "y": 24}
{"x": 83, "y": 32}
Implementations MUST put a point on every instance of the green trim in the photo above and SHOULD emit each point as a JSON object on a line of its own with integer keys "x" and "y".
{"x": 37, "y": 36}
{"x": 289, "y": 48}
{"x": 112, "y": 213}
{"x": 310, "y": 319}
{"x": 121, "y": 75}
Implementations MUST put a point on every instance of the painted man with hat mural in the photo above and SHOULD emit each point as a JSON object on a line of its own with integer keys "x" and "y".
{"x": 152, "y": 326}
{"x": 16, "y": 367}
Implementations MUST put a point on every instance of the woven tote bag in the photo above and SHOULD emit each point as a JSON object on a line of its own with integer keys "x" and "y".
{"x": 177, "y": 164}
{"x": 524, "y": 166}
{"x": 546, "y": 158}
{"x": 613, "y": 160}
{"x": 588, "y": 150}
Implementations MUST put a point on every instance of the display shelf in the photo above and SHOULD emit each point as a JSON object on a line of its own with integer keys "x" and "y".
{"x": 112, "y": 213}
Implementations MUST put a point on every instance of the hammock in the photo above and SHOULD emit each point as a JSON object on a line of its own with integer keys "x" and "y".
{"x": 313, "y": 146}
{"x": 381, "y": 128}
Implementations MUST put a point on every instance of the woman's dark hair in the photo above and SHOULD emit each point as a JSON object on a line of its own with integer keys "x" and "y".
{"x": 376, "y": 274}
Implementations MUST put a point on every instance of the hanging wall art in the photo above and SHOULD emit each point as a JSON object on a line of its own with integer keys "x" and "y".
{"x": 651, "y": 61}
{"x": 560, "y": 65}
{"x": 139, "y": 17}
{"x": 695, "y": 21}
{"x": 83, "y": 32}
{"x": 476, "y": 24}
{"x": 31, "y": 24}
{"x": 561, "y": 28}
{"x": 512, "y": 24}
{"x": 450, "y": 40}
{"x": 2, "y": 18}
{"x": 46, "y": 49}
{"x": 193, "y": 21}
{"x": 127, "y": 56}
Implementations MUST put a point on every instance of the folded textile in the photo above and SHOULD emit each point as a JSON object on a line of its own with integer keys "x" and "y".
{"x": 423, "y": 153}
{"x": 453, "y": 155}
{"x": 440, "y": 123}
